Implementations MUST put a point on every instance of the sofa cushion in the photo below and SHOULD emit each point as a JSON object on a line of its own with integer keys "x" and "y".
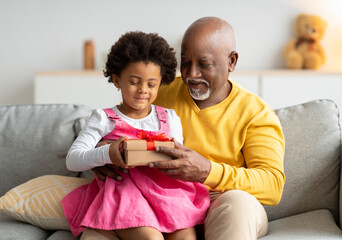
{"x": 35, "y": 140}
{"x": 318, "y": 225}
{"x": 38, "y": 201}
{"x": 312, "y": 159}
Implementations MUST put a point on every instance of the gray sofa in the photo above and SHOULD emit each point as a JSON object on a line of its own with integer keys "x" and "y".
{"x": 34, "y": 140}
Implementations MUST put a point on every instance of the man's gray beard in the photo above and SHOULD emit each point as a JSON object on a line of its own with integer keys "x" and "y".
{"x": 195, "y": 93}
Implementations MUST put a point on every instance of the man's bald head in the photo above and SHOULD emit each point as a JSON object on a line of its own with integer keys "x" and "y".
{"x": 215, "y": 27}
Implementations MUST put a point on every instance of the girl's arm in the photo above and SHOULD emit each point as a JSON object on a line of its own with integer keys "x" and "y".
{"x": 83, "y": 155}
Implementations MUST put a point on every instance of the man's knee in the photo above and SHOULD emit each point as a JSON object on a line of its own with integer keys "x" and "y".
{"x": 236, "y": 211}
{"x": 231, "y": 205}
{"x": 234, "y": 200}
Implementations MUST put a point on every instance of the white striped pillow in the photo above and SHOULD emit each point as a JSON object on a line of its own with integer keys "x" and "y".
{"x": 38, "y": 201}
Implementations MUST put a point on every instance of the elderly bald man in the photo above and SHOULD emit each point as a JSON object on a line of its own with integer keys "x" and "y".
{"x": 233, "y": 141}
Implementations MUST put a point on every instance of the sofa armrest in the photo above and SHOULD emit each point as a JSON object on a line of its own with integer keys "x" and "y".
{"x": 340, "y": 199}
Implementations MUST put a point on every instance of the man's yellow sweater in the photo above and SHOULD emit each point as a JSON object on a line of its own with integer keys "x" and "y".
{"x": 241, "y": 136}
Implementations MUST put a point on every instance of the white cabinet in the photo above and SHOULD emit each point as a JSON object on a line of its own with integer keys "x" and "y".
{"x": 294, "y": 87}
{"x": 283, "y": 88}
{"x": 280, "y": 88}
{"x": 89, "y": 88}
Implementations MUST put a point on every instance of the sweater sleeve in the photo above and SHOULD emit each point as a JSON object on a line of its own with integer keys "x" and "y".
{"x": 83, "y": 155}
{"x": 263, "y": 151}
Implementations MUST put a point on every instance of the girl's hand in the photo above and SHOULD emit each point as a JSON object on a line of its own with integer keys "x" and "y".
{"x": 115, "y": 154}
{"x": 111, "y": 170}
{"x": 104, "y": 142}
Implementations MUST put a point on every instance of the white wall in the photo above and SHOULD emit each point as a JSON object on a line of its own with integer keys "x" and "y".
{"x": 40, "y": 35}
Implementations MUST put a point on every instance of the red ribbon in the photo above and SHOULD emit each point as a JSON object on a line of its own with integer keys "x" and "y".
{"x": 151, "y": 138}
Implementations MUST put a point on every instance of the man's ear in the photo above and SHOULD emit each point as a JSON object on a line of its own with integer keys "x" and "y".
{"x": 233, "y": 57}
{"x": 115, "y": 80}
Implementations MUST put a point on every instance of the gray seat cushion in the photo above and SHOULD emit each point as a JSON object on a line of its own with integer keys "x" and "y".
{"x": 315, "y": 225}
{"x": 62, "y": 235}
{"x": 312, "y": 159}
{"x": 13, "y": 230}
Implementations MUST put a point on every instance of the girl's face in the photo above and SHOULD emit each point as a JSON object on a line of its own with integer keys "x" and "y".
{"x": 139, "y": 83}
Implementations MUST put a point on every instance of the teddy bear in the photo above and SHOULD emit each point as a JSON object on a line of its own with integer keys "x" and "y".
{"x": 305, "y": 50}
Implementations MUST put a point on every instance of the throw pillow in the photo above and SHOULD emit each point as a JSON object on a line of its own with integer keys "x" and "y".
{"x": 38, "y": 201}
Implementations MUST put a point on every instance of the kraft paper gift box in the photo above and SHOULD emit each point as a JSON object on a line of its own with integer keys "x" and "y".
{"x": 136, "y": 153}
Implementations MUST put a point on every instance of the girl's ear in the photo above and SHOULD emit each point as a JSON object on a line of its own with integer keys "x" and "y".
{"x": 115, "y": 80}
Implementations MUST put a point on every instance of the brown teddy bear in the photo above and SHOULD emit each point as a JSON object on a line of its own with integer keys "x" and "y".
{"x": 305, "y": 51}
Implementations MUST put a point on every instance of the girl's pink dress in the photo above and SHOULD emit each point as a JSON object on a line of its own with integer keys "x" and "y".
{"x": 144, "y": 197}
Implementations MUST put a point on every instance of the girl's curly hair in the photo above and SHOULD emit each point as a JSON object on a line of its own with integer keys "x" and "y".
{"x": 138, "y": 46}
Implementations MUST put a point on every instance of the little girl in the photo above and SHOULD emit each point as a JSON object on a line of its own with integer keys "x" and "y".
{"x": 145, "y": 203}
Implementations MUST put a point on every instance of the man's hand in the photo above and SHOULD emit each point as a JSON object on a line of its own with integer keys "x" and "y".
{"x": 187, "y": 164}
{"x": 109, "y": 170}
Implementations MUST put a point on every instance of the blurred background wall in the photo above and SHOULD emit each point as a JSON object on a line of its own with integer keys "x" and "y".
{"x": 41, "y": 35}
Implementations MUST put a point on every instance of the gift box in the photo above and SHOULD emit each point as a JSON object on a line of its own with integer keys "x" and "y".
{"x": 142, "y": 152}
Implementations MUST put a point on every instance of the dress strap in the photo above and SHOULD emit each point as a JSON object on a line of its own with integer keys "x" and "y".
{"x": 163, "y": 119}
{"x": 111, "y": 114}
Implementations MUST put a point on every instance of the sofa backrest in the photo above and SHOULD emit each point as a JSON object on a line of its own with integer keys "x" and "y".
{"x": 312, "y": 159}
{"x": 34, "y": 140}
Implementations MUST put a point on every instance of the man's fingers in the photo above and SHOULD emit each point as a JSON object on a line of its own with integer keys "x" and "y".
{"x": 171, "y": 172}
{"x": 100, "y": 173}
{"x": 114, "y": 168}
{"x": 180, "y": 146}
{"x": 110, "y": 171}
{"x": 169, "y": 164}
{"x": 173, "y": 152}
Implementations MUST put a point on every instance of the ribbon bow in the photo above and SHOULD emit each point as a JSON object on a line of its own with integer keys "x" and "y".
{"x": 151, "y": 138}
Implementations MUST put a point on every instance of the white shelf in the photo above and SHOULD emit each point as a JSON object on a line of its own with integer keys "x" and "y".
{"x": 280, "y": 88}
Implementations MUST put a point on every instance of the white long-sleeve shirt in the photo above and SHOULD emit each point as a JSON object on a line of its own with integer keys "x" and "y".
{"x": 83, "y": 155}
